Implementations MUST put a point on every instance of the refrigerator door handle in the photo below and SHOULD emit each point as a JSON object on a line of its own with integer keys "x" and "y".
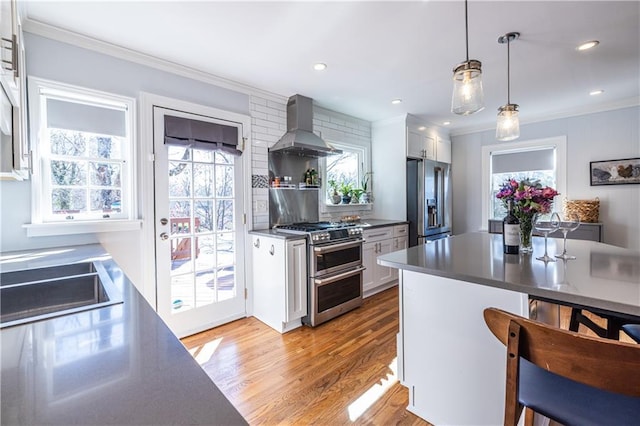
{"x": 421, "y": 198}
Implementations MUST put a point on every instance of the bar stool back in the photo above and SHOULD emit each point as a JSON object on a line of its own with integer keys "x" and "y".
{"x": 570, "y": 378}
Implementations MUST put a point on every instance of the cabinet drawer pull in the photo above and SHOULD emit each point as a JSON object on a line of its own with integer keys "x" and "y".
{"x": 272, "y": 250}
{"x": 377, "y": 235}
{"x": 256, "y": 243}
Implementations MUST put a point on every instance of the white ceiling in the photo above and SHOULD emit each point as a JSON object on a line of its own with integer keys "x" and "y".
{"x": 378, "y": 51}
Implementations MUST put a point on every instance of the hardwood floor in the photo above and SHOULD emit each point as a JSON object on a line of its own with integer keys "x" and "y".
{"x": 323, "y": 375}
{"x": 314, "y": 375}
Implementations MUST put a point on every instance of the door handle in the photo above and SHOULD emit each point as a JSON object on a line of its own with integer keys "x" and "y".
{"x": 164, "y": 236}
{"x": 256, "y": 243}
{"x": 272, "y": 250}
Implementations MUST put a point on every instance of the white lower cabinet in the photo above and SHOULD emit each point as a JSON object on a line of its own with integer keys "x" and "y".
{"x": 279, "y": 281}
{"x": 379, "y": 241}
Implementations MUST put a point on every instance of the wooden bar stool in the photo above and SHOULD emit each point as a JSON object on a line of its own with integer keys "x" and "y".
{"x": 612, "y": 329}
{"x": 568, "y": 377}
{"x": 633, "y": 331}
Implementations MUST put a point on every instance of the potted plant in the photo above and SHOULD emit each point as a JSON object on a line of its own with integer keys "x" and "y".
{"x": 346, "y": 190}
{"x": 366, "y": 195}
{"x": 334, "y": 196}
{"x": 356, "y": 194}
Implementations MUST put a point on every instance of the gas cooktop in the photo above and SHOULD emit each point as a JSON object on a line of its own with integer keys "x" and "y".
{"x": 315, "y": 226}
{"x": 323, "y": 232}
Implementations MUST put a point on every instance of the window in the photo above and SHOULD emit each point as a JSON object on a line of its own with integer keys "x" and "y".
{"x": 533, "y": 163}
{"x": 543, "y": 159}
{"x": 84, "y": 149}
{"x": 346, "y": 168}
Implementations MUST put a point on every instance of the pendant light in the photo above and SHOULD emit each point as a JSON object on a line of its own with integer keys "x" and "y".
{"x": 508, "y": 126}
{"x": 467, "y": 97}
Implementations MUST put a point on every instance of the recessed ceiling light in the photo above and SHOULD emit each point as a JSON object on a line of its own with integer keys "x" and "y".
{"x": 446, "y": 123}
{"x": 422, "y": 128}
{"x": 588, "y": 45}
{"x": 596, "y": 92}
{"x": 396, "y": 101}
{"x": 319, "y": 66}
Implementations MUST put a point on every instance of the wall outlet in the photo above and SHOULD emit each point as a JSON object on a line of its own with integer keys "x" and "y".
{"x": 261, "y": 206}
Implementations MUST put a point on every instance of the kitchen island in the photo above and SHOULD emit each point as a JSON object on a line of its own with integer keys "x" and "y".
{"x": 116, "y": 365}
{"x": 452, "y": 365}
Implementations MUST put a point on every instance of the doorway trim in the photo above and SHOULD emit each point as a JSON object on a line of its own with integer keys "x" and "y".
{"x": 146, "y": 180}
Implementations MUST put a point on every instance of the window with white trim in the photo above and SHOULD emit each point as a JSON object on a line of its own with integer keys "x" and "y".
{"x": 83, "y": 141}
{"x": 541, "y": 159}
{"x": 346, "y": 168}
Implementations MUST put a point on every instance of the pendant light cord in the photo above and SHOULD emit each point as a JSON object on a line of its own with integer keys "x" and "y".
{"x": 466, "y": 28}
{"x": 508, "y": 71}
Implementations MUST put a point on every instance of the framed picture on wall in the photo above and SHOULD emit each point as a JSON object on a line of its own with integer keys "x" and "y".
{"x": 615, "y": 172}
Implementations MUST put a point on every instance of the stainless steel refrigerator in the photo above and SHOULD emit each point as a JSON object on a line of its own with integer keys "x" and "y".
{"x": 428, "y": 200}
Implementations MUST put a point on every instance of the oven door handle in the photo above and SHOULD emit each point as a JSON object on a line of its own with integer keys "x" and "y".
{"x": 334, "y": 247}
{"x": 339, "y": 276}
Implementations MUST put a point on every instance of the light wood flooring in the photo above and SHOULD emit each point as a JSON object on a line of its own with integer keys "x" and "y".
{"x": 311, "y": 376}
{"x": 314, "y": 376}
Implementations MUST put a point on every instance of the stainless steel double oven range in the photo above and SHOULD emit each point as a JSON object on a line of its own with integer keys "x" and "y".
{"x": 334, "y": 259}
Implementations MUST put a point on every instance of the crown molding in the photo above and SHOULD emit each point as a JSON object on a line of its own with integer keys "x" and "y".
{"x": 79, "y": 40}
{"x": 557, "y": 115}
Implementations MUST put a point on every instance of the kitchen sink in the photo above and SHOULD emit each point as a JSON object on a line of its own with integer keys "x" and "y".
{"x": 36, "y": 294}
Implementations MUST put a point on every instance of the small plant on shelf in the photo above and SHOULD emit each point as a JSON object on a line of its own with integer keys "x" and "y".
{"x": 333, "y": 195}
{"x": 346, "y": 190}
{"x": 356, "y": 194}
{"x": 366, "y": 195}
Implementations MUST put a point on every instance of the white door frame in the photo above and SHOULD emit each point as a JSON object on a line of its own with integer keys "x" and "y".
{"x": 146, "y": 180}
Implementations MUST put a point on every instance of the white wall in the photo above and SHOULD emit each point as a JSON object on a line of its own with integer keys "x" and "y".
{"x": 592, "y": 137}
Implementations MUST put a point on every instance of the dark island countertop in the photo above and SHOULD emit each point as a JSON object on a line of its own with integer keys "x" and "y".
{"x": 117, "y": 365}
{"x": 602, "y": 276}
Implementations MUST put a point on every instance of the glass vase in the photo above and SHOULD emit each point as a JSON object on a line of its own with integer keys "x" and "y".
{"x": 526, "y": 229}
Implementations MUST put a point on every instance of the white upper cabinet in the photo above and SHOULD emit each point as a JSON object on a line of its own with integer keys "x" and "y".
{"x": 420, "y": 145}
{"x": 15, "y": 149}
{"x": 443, "y": 150}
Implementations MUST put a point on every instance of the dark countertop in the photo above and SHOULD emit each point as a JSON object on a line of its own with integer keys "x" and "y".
{"x": 117, "y": 365}
{"x": 378, "y": 223}
{"x": 603, "y": 276}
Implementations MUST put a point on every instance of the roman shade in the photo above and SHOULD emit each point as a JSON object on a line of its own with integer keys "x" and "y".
{"x": 522, "y": 161}
{"x": 81, "y": 117}
{"x": 198, "y": 134}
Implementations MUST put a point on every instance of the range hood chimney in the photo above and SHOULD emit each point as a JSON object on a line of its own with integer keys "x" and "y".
{"x": 300, "y": 138}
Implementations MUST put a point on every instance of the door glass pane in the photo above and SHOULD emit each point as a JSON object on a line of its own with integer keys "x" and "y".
{"x": 180, "y": 214}
{"x": 182, "y": 296}
{"x": 224, "y": 181}
{"x": 226, "y": 282}
{"x": 206, "y": 254}
{"x": 224, "y": 215}
{"x": 181, "y": 258}
{"x": 205, "y": 288}
{"x": 203, "y": 156}
{"x": 179, "y": 179}
{"x": 178, "y": 153}
{"x": 204, "y": 216}
{"x": 203, "y": 180}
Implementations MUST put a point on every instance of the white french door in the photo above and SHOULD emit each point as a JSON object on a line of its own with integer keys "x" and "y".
{"x": 199, "y": 232}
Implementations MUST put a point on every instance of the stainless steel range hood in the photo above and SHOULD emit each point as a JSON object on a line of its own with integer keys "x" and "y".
{"x": 300, "y": 138}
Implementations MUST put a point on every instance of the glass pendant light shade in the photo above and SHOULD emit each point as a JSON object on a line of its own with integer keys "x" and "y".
{"x": 508, "y": 126}
{"x": 508, "y": 123}
{"x": 468, "y": 96}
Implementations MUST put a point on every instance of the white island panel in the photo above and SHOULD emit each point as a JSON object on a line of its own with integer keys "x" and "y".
{"x": 453, "y": 366}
